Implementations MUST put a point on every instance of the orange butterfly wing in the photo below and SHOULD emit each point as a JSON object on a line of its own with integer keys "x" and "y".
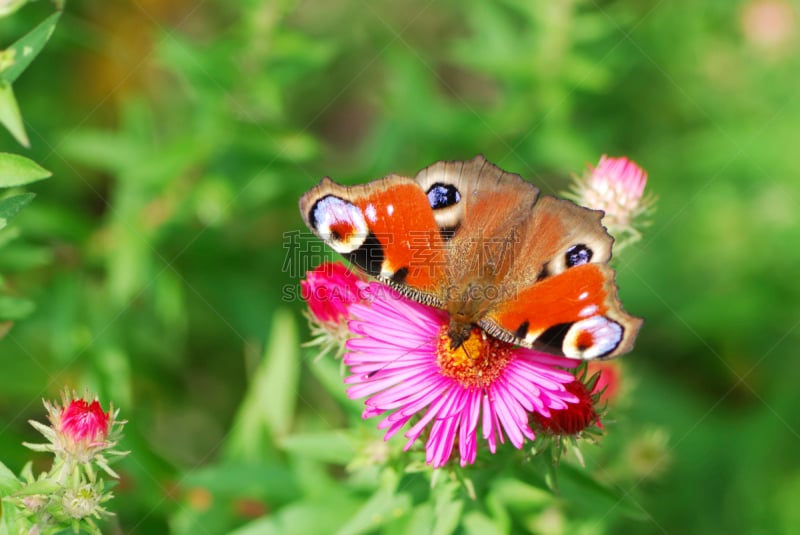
{"x": 576, "y": 313}
{"x": 386, "y": 228}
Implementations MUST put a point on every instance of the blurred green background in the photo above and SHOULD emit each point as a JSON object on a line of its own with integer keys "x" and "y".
{"x": 181, "y": 134}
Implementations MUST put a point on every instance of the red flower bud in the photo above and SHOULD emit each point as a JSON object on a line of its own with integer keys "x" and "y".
{"x": 575, "y": 418}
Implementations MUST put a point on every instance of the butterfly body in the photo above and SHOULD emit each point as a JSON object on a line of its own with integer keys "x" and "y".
{"x": 480, "y": 243}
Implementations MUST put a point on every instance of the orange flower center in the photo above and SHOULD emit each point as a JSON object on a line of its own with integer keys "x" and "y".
{"x": 477, "y": 363}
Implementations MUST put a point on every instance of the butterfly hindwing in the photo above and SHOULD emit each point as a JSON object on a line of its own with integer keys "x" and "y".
{"x": 575, "y": 313}
{"x": 562, "y": 298}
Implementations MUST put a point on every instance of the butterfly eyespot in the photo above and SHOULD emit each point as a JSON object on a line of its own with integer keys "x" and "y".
{"x": 340, "y": 223}
{"x": 578, "y": 255}
{"x": 443, "y": 195}
{"x": 592, "y": 338}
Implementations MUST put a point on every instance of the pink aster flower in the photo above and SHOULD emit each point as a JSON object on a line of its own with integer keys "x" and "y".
{"x": 615, "y": 186}
{"x": 329, "y": 290}
{"x": 402, "y": 362}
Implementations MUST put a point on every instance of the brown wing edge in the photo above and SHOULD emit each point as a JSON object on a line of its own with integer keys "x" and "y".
{"x": 460, "y": 171}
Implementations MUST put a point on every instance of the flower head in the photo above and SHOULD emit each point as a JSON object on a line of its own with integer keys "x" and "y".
{"x": 80, "y": 432}
{"x": 403, "y": 362}
{"x": 329, "y": 290}
{"x": 576, "y": 417}
{"x": 615, "y": 186}
{"x": 80, "y": 427}
{"x": 84, "y": 422}
{"x": 82, "y": 502}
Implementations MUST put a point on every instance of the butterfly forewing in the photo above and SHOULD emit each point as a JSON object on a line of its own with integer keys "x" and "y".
{"x": 386, "y": 228}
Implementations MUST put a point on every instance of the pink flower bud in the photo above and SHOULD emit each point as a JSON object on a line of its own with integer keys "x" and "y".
{"x": 80, "y": 431}
{"x": 84, "y": 422}
{"x": 329, "y": 290}
{"x": 616, "y": 186}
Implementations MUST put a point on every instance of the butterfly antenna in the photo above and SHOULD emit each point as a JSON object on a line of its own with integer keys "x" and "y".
{"x": 463, "y": 347}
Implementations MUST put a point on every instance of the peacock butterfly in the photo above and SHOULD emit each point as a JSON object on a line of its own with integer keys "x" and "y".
{"x": 480, "y": 243}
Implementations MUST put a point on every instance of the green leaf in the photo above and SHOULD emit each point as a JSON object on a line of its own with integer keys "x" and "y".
{"x": 329, "y": 372}
{"x": 421, "y": 519}
{"x": 15, "y": 308}
{"x": 43, "y": 486}
{"x": 10, "y": 207}
{"x": 114, "y": 364}
{"x": 28, "y": 47}
{"x": 269, "y": 403}
{"x": 329, "y": 446}
{"x": 498, "y": 512}
{"x": 384, "y": 506}
{"x": 277, "y": 382}
{"x": 10, "y": 116}
{"x": 26, "y": 474}
{"x": 448, "y": 514}
{"x": 16, "y": 170}
{"x": 101, "y": 149}
{"x": 476, "y": 523}
{"x": 8, "y": 481}
{"x": 11, "y": 519}
{"x": 520, "y": 495}
{"x": 581, "y": 488}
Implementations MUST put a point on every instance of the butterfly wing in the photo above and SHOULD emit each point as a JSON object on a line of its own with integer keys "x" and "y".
{"x": 386, "y": 228}
{"x": 562, "y": 295}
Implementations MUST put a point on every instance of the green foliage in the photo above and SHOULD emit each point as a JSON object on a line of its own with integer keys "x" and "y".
{"x": 14, "y": 60}
{"x": 155, "y": 266}
{"x": 16, "y": 170}
{"x": 10, "y": 116}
